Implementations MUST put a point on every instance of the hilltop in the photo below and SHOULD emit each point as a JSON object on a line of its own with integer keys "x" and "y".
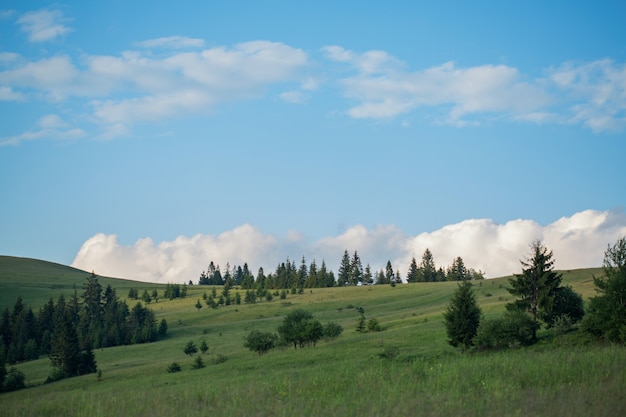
{"x": 37, "y": 280}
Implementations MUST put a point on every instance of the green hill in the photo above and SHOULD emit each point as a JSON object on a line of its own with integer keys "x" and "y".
{"x": 36, "y": 281}
{"x": 408, "y": 369}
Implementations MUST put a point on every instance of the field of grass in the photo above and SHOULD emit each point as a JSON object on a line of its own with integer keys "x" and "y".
{"x": 348, "y": 376}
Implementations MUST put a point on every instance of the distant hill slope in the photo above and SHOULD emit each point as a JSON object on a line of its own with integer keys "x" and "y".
{"x": 36, "y": 281}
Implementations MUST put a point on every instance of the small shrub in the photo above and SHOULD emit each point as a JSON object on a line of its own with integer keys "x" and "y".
{"x": 389, "y": 353}
{"x": 219, "y": 358}
{"x": 198, "y": 363}
{"x": 14, "y": 380}
{"x": 190, "y": 348}
{"x": 360, "y": 325}
{"x": 563, "y": 324}
{"x": 173, "y": 367}
{"x": 204, "y": 347}
{"x": 373, "y": 325}
{"x": 513, "y": 330}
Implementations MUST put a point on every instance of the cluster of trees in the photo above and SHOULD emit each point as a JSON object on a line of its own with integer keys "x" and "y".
{"x": 146, "y": 297}
{"x": 541, "y": 299}
{"x": 287, "y": 275}
{"x": 351, "y": 272}
{"x": 67, "y": 331}
{"x": 427, "y": 271}
{"x": 299, "y": 328}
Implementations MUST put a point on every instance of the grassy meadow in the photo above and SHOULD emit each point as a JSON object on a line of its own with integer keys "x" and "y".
{"x": 408, "y": 369}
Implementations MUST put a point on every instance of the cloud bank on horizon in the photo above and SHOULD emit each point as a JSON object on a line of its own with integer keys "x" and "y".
{"x": 578, "y": 241}
{"x": 177, "y": 76}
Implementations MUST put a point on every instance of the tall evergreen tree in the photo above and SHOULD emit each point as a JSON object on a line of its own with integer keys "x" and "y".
{"x": 380, "y": 278}
{"x": 65, "y": 351}
{"x": 390, "y": 276}
{"x": 427, "y": 267}
{"x": 343, "y": 275}
{"x": 92, "y": 299}
{"x": 312, "y": 278}
{"x": 457, "y": 271}
{"x": 355, "y": 275}
{"x": 302, "y": 273}
{"x": 368, "y": 278}
{"x": 537, "y": 285}
{"x": 462, "y": 316}
{"x": 413, "y": 274}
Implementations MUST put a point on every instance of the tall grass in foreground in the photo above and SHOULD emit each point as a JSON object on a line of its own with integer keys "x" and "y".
{"x": 541, "y": 381}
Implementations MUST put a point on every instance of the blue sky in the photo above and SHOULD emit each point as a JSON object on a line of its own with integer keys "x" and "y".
{"x": 146, "y": 139}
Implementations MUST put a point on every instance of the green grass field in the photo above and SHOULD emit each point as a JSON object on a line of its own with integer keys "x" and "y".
{"x": 344, "y": 377}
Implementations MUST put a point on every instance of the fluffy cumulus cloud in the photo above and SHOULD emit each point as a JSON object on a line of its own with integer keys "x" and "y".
{"x": 577, "y": 241}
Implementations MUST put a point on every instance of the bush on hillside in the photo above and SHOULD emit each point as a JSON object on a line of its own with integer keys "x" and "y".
{"x": 173, "y": 367}
{"x": 514, "y": 329}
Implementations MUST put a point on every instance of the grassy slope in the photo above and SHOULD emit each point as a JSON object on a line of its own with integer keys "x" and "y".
{"x": 36, "y": 281}
{"x": 342, "y": 377}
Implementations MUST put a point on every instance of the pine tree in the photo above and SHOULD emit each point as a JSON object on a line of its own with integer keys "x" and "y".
{"x": 355, "y": 275}
{"x": 427, "y": 269}
{"x": 462, "y": 316}
{"x": 537, "y": 285}
{"x": 368, "y": 279}
{"x": 457, "y": 271}
{"x": 302, "y": 273}
{"x": 413, "y": 274}
{"x": 343, "y": 276}
{"x": 390, "y": 276}
{"x": 65, "y": 350}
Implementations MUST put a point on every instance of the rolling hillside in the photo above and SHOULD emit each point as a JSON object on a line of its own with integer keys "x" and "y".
{"x": 407, "y": 369}
{"x": 36, "y": 281}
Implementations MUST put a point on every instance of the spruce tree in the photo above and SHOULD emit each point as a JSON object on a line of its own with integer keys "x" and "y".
{"x": 462, "y": 316}
{"x": 536, "y": 287}
{"x": 390, "y": 276}
{"x": 356, "y": 270}
{"x": 413, "y": 274}
{"x": 343, "y": 275}
{"x": 428, "y": 272}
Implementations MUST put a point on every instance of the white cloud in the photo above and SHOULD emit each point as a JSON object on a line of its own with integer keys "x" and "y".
{"x": 596, "y": 93}
{"x": 593, "y": 93}
{"x": 137, "y": 87}
{"x": 577, "y": 241}
{"x": 44, "y": 25}
{"x": 172, "y": 42}
{"x": 293, "y": 96}
{"x": 50, "y": 126}
{"x": 7, "y": 94}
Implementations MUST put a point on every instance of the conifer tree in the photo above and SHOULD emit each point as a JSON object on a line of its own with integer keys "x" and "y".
{"x": 343, "y": 275}
{"x": 355, "y": 275}
{"x": 536, "y": 286}
{"x": 462, "y": 316}
{"x": 428, "y": 272}
{"x": 413, "y": 274}
{"x": 390, "y": 276}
